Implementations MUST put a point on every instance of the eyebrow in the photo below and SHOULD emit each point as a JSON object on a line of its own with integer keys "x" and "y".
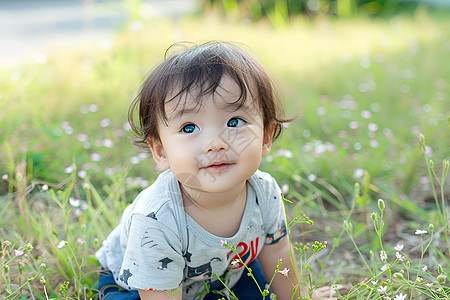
{"x": 238, "y": 105}
{"x": 178, "y": 113}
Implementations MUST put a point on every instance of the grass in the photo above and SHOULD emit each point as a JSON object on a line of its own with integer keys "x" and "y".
{"x": 363, "y": 91}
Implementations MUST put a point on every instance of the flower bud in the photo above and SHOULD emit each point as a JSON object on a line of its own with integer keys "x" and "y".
{"x": 348, "y": 227}
{"x": 357, "y": 189}
{"x": 381, "y": 204}
{"x": 374, "y": 216}
{"x": 446, "y": 165}
{"x": 345, "y": 224}
{"x": 86, "y": 186}
{"x": 431, "y": 162}
{"x": 29, "y": 247}
{"x": 7, "y": 244}
{"x": 440, "y": 270}
{"x": 399, "y": 276}
{"x": 42, "y": 280}
{"x": 441, "y": 278}
{"x": 431, "y": 227}
{"x": 422, "y": 138}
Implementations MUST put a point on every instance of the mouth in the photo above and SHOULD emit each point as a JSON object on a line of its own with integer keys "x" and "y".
{"x": 217, "y": 166}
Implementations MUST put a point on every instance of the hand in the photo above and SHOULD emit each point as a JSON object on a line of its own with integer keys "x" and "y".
{"x": 326, "y": 292}
{"x": 160, "y": 295}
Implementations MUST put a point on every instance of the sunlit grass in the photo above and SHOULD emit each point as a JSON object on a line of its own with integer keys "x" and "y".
{"x": 362, "y": 89}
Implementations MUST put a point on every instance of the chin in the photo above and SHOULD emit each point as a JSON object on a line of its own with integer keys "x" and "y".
{"x": 222, "y": 185}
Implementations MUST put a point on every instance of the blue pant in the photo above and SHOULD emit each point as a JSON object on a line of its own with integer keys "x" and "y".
{"x": 245, "y": 289}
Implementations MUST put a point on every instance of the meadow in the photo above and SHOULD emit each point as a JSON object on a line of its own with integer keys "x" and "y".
{"x": 366, "y": 158}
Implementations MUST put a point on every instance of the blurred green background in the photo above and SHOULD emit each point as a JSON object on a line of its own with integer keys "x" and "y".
{"x": 364, "y": 83}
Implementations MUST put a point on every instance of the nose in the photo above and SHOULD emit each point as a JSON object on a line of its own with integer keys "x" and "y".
{"x": 216, "y": 143}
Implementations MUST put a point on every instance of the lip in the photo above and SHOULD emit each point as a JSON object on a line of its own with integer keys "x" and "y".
{"x": 218, "y": 166}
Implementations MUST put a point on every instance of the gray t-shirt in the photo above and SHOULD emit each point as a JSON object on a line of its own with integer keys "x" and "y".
{"x": 158, "y": 246}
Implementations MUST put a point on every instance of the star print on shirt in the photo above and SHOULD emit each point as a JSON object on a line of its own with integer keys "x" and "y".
{"x": 125, "y": 275}
{"x": 188, "y": 256}
{"x": 164, "y": 262}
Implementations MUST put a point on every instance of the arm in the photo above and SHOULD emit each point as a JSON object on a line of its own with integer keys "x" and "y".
{"x": 161, "y": 295}
{"x": 270, "y": 254}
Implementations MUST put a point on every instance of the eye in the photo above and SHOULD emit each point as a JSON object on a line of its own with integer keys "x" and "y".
{"x": 190, "y": 128}
{"x": 235, "y": 122}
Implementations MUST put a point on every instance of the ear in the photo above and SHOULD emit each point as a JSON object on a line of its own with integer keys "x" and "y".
{"x": 267, "y": 140}
{"x": 158, "y": 153}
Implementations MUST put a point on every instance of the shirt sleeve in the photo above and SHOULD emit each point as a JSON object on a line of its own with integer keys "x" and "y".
{"x": 274, "y": 216}
{"x": 153, "y": 256}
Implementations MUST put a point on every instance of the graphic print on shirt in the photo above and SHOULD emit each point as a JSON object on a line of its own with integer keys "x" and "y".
{"x": 152, "y": 215}
{"x": 203, "y": 271}
{"x": 164, "y": 262}
{"x": 273, "y": 238}
{"x": 147, "y": 240}
{"x": 187, "y": 255}
{"x": 246, "y": 252}
{"x": 125, "y": 275}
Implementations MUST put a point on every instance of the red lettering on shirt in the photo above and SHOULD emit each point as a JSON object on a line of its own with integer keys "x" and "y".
{"x": 244, "y": 253}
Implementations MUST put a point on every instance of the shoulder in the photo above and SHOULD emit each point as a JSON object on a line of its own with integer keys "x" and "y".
{"x": 158, "y": 194}
{"x": 267, "y": 191}
{"x": 263, "y": 182}
{"x": 160, "y": 201}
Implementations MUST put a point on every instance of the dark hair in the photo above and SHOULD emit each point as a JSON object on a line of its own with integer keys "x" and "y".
{"x": 199, "y": 69}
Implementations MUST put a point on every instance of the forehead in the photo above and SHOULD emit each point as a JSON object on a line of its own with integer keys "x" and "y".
{"x": 228, "y": 96}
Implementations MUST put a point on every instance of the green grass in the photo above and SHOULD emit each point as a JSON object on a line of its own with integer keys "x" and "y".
{"x": 363, "y": 90}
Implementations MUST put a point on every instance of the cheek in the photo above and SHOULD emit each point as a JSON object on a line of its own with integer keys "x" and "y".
{"x": 240, "y": 141}
{"x": 252, "y": 150}
{"x": 181, "y": 155}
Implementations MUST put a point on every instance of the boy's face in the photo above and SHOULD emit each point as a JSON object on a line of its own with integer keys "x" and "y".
{"x": 213, "y": 147}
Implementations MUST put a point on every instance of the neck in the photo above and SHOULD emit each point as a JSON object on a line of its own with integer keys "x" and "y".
{"x": 213, "y": 201}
